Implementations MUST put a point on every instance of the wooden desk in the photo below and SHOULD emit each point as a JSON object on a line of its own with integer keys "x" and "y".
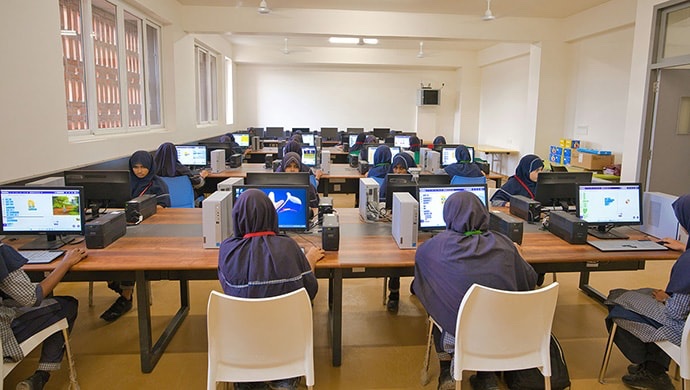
{"x": 168, "y": 246}
{"x": 496, "y": 153}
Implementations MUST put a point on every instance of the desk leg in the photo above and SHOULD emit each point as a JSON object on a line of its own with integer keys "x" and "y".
{"x": 151, "y": 354}
{"x": 588, "y": 289}
{"x": 337, "y": 317}
{"x": 325, "y": 186}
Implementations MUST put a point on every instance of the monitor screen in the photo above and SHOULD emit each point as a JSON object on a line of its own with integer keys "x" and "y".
{"x": 371, "y": 149}
{"x": 432, "y": 198}
{"x": 243, "y": 139}
{"x": 300, "y": 129}
{"x": 277, "y": 178}
{"x": 398, "y": 183}
{"x": 556, "y": 189}
{"x": 49, "y": 211}
{"x": 192, "y": 155}
{"x": 274, "y": 133}
{"x": 309, "y": 155}
{"x": 329, "y": 133}
{"x": 402, "y": 141}
{"x": 605, "y": 205}
{"x": 102, "y": 188}
{"x": 351, "y": 139}
{"x": 433, "y": 179}
{"x": 448, "y": 154}
{"x": 257, "y": 131}
{"x": 380, "y": 132}
{"x": 355, "y": 130}
{"x": 291, "y": 203}
{"x": 308, "y": 139}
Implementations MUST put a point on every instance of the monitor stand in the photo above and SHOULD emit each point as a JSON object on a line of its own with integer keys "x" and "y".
{"x": 47, "y": 242}
{"x": 601, "y": 232}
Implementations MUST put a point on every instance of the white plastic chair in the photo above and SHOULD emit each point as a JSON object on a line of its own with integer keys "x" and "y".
{"x": 680, "y": 355}
{"x": 32, "y": 342}
{"x": 260, "y": 339}
{"x": 500, "y": 330}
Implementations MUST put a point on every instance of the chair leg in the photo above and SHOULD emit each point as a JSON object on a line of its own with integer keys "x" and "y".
{"x": 607, "y": 353}
{"x": 73, "y": 384}
{"x": 91, "y": 293}
{"x": 682, "y": 384}
{"x": 554, "y": 277}
{"x": 547, "y": 380}
{"x": 427, "y": 355}
{"x": 385, "y": 289}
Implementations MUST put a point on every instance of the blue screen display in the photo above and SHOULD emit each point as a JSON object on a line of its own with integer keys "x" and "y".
{"x": 291, "y": 204}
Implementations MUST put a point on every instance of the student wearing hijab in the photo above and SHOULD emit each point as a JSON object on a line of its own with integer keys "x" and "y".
{"x": 168, "y": 165}
{"x": 440, "y": 140}
{"x": 464, "y": 166}
{"x": 380, "y": 167}
{"x": 229, "y": 139}
{"x": 356, "y": 149}
{"x": 258, "y": 262}
{"x": 648, "y": 315}
{"x": 295, "y": 147}
{"x": 450, "y": 262}
{"x": 415, "y": 144}
{"x": 524, "y": 182}
{"x": 27, "y": 308}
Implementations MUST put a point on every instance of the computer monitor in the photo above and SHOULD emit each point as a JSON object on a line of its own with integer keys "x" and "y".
{"x": 448, "y": 154}
{"x": 102, "y": 188}
{"x": 243, "y": 139}
{"x": 192, "y": 155}
{"x": 291, "y": 203}
{"x": 257, "y": 131}
{"x": 351, "y": 139}
{"x": 302, "y": 130}
{"x": 355, "y": 130}
{"x": 277, "y": 178}
{"x": 380, "y": 132}
{"x": 308, "y": 139}
{"x": 399, "y": 183}
{"x": 606, "y": 205}
{"x": 371, "y": 149}
{"x": 433, "y": 179}
{"x": 329, "y": 133}
{"x": 558, "y": 189}
{"x": 45, "y": 211}
{"x": 309, "y": 156}
{"x": 274, "y": 133}
{"x": 432, "y": 198}
{"x": 402, "y": 141}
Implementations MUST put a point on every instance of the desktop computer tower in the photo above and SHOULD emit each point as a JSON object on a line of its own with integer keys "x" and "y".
{"x": 227, "y": 184}
{"x": 317, "y": 142}
{"x": 217, "y": 160}
{"x": 326, "y": 161}
{"x": 256, "y": 143}
{"x": 658, "y": 218}
{"x": 330, "y": 236}
{"x": 405, "y": 220}
{"x": 422, "y": 158}
{"x": 368, "y": 199}
{"x": 216, "y": 217}
{"x": 433, "y": 161}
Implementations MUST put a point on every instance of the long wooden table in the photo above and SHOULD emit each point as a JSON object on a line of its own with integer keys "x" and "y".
{"x": 168, "y": 246}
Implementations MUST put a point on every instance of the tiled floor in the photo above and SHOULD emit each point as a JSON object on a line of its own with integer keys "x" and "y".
{"x": 381, "y": 351}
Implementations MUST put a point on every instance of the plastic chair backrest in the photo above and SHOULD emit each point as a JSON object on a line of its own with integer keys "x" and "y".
{"x": 181, "y": 191}
{"x": 504, "y": 330}
{"x": 680, "y": 355}
{"x": 32, "y": 342}
{"x": 259, "y": 339}
{"x": 468, "y": 180}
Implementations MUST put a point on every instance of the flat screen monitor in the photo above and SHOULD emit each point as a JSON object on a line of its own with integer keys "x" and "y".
{"x": 381, "y": 132}
{"x": 355, "y": 130}
{"x": 432, "y": 198}
{"x": 448, "y": 154}
{"x": 291, "y": 203}
{"x": 102, "y": 188}
{"x": 606, "y": 205}
{"x": 256, "y": 131}
{"x": 308, "y": 139}
{"x": 277, "y": 178}
{"x": 402, "y": 141}
{"x": 558, "y": 189}
{"x": 45, "y": 211}
{"x": 243, "y": 139}
{"x": 371, "y": 149}
{"x": 399, "y": 183}
{"x": 302, "y": 130}
{"x": 309, "y": 156}
{"x": 351, "y": 139}
{"x": 274, "y": 133}
{"x": 329, "y": 133}
{"x": 192, "y": 155}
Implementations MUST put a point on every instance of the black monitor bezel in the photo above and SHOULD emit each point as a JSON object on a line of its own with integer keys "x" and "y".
{"x": 355, "y": 130}
{"x": 391, "y": 179}
{"x": 381, "y": 132}
{"x": 559, "y": 183}
{"x": 329, "y": 137}
{"x": 261, "y": 187}
{"x": 268, "y": 133}
{"x": 609, "y": 224}
{"x": 277, "y": 178}
{"x": 119, "y": 198}
{"x": 419, "y": 187}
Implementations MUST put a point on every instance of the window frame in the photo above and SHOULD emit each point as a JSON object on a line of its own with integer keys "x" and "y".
{"x": 206, "y": 85}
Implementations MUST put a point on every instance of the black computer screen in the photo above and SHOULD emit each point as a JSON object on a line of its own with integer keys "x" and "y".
{"x": 556, "y": 189}
{"x": 277, "y": 178}
{"x": 102, "y": 188}
{"x": 356, "y": 130}
{"x": 381, "y": 133}
{"x": 274, "y": 133}
{"x": 291, "y": 203}
{"x": 329, "y": 133}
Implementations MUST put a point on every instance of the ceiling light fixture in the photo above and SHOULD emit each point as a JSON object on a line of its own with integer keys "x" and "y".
{"x": 488, "y": 15}
{"x": 263, "y": 7}
{"x": 421, "y": 50}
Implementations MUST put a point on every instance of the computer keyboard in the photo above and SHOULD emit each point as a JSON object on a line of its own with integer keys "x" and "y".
{"x": 41, "y": 256}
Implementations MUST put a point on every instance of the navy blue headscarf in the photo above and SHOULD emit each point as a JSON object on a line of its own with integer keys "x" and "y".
{"x": 520, "y": 183}
{"x": 10, "y": 260}
{"x": 359, "y": 142}
{"x": 464, "y": 166}
{"x": 296, "y": 148}
{"x": 679, "y": 281}
{"x": 415, "y": 143}
{"x": 166, "y": 160}
{"x": 290, "y": 158}
{"x": 149, "y": 184}
{"x": 258, "y": 262}
{"x": 382, "y": 162}
{"x": 403, "y": 159}
{"x": 465, "y": 253}
{"x": 440, "y": 140}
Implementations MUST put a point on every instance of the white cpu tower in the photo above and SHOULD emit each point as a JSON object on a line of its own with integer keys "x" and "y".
{"x": 422, "y": 157}
{"x": 326, "y": 161}
{"x": 658, "y": 218}
{"x": 405, "y": 220}
{"x": 432, "y": 161}
{"x": 216, "y": 212}
{"x": 368, "y": 196}
{"x": 217, "y": 160}
{"x": 227, "y": 184}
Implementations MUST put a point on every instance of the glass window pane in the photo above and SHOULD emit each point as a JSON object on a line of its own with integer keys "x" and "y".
{"x": 202, "y": 92}
{"x": 213, "y": 87}
{"x": 73, "y": 62}
{"x": 677, "y": 33}
{"x": 133, "y": 58}
{"x": 106, "y": 64}
{"x": 153, "y": 76}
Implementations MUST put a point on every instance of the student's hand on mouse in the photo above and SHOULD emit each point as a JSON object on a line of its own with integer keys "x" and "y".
{"x": 672, "y": 244}
{"x": 203, "y": 173}
{"x": 73, "y": 256}
{"x": 315, "y": 254}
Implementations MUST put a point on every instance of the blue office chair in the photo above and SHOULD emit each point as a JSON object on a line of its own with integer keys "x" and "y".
{"x": 468, "y": 180}
{"x": 181, "y": 191}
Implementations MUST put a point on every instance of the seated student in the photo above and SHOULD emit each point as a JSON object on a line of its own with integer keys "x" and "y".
{"x": 297, "y": 137}
{"x": 648, "y": 315}
{"x": 440, "y": 140}
{"x": 258, "y": 262}
{"x": 380, "y": 166}
{"x": 464, "y": 166}
{"x": 295, "y": 147}
{"x": 291, "y": 164}
{"x": 415, "y": 144}
{"x": 449, "y": 263}
{"x": 524, "y": 182}
{"x": 143, "y": 180}
{"x": 235, "y": 148}
{"x": 358, "y": 146}
{"x": 27, "y": 308}
{"x": 168, "y": 165}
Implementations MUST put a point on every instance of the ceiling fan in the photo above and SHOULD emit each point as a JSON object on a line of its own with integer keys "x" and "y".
{"x": 263, "y": 8}
{"x": 488, "y": 15}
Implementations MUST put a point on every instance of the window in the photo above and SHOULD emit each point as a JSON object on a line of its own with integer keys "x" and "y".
{"x": 206, "y": 86}
{"x": 112, "y": 73}
{"x": 229, "y": 100}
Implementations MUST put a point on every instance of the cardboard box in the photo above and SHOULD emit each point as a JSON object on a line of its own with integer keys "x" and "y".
{"x": 590, "y": 161}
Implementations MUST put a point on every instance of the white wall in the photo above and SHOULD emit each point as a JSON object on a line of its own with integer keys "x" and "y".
{"x": 343, "y": 97}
